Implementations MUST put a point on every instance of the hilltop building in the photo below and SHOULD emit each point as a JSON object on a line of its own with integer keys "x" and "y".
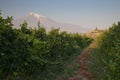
{"x": 94, "y": 33}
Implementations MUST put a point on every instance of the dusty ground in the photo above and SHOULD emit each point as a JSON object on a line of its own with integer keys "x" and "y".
{"x": 83, "y": 73}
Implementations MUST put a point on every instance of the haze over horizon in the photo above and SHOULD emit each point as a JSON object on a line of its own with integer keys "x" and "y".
{"x": 86, "y": 13}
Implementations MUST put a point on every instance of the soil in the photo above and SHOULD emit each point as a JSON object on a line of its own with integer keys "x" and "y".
{"x": 83, "y": 73}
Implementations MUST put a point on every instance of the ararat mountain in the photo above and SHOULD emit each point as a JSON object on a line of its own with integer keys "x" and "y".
{"x": 33, "y": 19}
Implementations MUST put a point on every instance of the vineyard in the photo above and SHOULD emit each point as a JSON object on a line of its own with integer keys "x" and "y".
{"x": 34, "y": 54}
{"x": 105, "y": 58}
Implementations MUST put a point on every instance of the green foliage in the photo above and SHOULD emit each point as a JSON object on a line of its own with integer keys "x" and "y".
{"x": 108, "y": 55}
{"x": 30, "y": 53}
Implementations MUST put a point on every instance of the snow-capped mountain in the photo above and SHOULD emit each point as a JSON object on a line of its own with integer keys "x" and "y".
{"x": 33, "y": 19}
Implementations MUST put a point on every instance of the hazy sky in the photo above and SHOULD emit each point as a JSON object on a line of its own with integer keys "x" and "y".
{"x": 87, "y": 13}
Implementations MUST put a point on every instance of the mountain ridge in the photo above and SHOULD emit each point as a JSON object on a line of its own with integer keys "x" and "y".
{"x": 33, "y": 19}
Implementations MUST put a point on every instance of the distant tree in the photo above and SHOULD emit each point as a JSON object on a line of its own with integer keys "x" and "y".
{"x": 24, "y": 28}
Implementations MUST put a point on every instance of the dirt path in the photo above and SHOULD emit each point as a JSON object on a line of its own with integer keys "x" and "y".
{"x": 83, "y": 72}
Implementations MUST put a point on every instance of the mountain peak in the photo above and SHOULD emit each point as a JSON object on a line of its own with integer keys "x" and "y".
{"x": 36, "y": 15}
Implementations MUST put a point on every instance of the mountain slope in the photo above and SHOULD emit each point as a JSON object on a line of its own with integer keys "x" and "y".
{"x": 33, "y": 19}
